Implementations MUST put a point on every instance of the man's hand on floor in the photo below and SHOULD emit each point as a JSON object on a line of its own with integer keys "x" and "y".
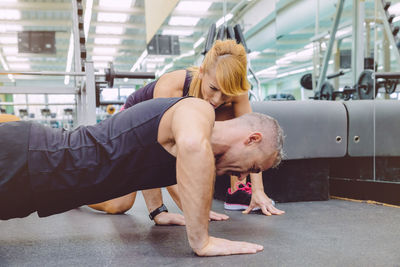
{"x": 219, "y": 246}
{"x": 261, "y": 200}
{"x": 166, "y": 218}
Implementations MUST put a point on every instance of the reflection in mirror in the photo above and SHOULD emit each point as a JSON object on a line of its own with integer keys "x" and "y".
{"x": 306, "y": 51}
{"x": 294, "y": 53}
{"x": 373, "y": 153}
{"x": 259, "y": 33}
{"x": 386, "y": 44}
{"x": 386, "y": 47}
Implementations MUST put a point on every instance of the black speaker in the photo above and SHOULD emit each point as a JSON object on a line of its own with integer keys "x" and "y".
{"x": 38, "y": 42}
{"x": 164, "y": 45}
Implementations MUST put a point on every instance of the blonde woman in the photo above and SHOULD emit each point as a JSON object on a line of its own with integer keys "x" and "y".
{"x": 221, "y": 80}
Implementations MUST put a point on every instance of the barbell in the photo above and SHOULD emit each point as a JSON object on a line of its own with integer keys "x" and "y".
{"x": 366, "y": 88}
{"x": 109, "y": 75}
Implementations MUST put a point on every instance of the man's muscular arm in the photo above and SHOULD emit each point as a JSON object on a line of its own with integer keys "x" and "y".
{"x": 192, "y": 125}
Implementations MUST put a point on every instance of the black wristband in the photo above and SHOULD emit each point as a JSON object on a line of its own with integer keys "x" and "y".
{"x": 157, "y": 211}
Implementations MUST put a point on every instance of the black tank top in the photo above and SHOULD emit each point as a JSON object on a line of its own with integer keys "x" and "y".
{"x": 96, "y": 163}
{"x": 147, "y": 92}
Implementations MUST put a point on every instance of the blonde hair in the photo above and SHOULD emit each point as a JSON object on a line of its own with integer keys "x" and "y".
{"x": 230, "y": 63}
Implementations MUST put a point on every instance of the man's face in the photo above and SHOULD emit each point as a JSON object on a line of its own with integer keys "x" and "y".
{"x": 243, "y": 160}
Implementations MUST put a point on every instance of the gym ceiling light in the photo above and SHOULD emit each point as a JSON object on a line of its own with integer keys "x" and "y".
{"x": 107, "y": 41}
{"x": 10, "y": 28}
{"x": 16, "y": 59}
{"x": 199, "y": 42}
{"x": 157, "y": 59}
{"x": 10, "y": 14}
{"x": 100, "y": 65}
{"x": 177, "y": 32}
{"x": 193, "y": 6}
{"x": 8, "y": 40}
{"x": 104, "y": 50}
{"x": 19, "y": 66}
{"x": 394, "y": 9}
{"x": 183, "y": 21}
{"x": 224, "y": 19}
{"x": 10, "y": 50}
{"x": 112, "y": 17}
{"x": 109, "y": 30}
{"x": 139, "y": 61}
{"x": 102, "y": 58}
{"x": 116, "y": 3}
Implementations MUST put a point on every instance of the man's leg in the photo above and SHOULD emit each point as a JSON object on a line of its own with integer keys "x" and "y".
{"x": 117, "y": 205}
{"x": 16, "y": 200}
{"x": 16, "y": 197}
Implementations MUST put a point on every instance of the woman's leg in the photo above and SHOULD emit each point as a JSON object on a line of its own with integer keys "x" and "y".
{"x": 118, "y": 205}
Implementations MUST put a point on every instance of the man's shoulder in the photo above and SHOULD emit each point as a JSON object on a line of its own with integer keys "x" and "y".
{"x": 196, "y": 103}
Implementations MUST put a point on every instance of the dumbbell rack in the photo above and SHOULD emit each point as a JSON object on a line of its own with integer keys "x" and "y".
{"x": 368, "y": 83}
{"x": 391, "y": 30}
{"x": 389, "y": 17}
{"x": 390, "y": 82}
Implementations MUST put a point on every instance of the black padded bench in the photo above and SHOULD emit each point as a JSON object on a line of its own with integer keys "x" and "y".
{"x": 371, "y": 168}
{"x": 328, "y": 143}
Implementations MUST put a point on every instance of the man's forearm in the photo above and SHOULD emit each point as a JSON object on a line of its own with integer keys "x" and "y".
{"x": 195, "y": 175}
{"x": 153, "y": 198}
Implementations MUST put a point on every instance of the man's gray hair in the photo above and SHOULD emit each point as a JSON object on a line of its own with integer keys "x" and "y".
{"x": 269, "y": 127}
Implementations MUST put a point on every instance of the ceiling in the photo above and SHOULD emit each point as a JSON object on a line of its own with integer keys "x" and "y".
{"x": 117, "y": 33}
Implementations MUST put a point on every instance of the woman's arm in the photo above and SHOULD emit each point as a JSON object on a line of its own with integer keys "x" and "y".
{"x": 170, "y": 84}
{"x": 240, "y": 106}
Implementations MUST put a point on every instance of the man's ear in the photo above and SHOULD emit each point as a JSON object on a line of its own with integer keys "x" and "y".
{"x": 254, "y": 138}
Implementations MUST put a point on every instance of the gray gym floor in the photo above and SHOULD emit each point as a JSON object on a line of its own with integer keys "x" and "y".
{"x": 324, "y": 233}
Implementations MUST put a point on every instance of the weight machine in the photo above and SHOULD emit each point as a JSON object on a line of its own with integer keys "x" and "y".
{"x": 369, "y": 81}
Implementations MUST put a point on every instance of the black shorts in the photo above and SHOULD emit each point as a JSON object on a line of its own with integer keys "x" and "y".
{"x": 15, "y": 191}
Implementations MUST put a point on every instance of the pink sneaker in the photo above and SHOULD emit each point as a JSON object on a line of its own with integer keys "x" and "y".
{"x": 240, "y": 198}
